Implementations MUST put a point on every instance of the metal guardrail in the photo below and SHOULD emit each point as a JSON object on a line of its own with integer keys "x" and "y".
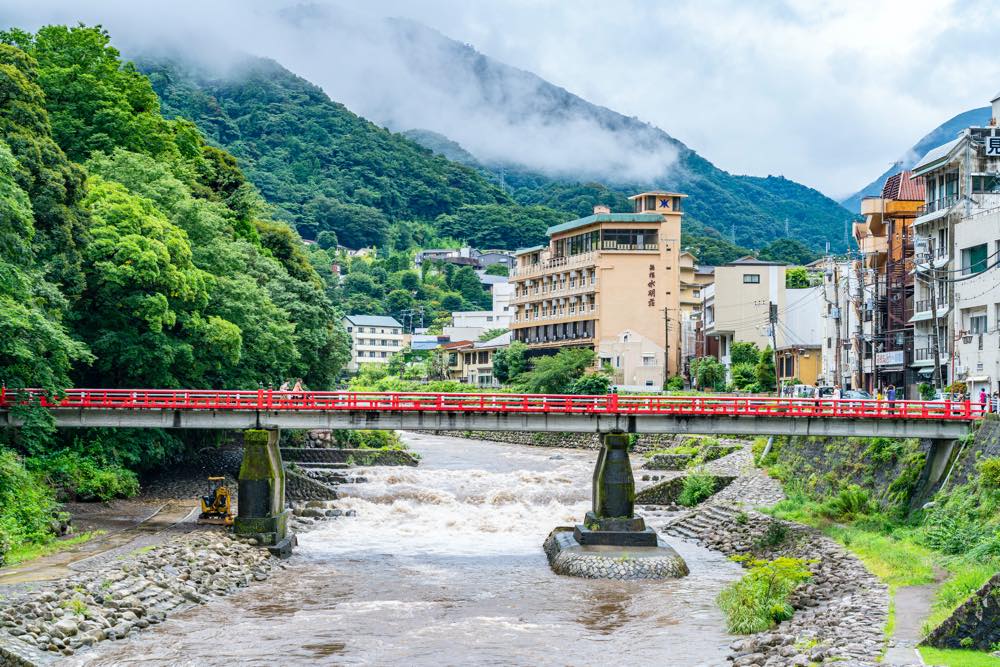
{"x": 264, "y": 399}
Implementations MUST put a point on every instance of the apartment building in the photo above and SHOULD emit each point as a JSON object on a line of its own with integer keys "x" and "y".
{"x": 957, "y": 245}
{"x": 694, "y": 280}
{"x": 609, "y": 282}
{"x": 474, "y": 360}
{"x": 885, "y": 270}
{"x": 958, "y": 242}
{"x": 374, "y": 338}
{"x": 741, "y": 301}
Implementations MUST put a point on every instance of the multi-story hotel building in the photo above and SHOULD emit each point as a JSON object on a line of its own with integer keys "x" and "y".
{"x": 610, "y": 282}
{"x": 374, "y": 339}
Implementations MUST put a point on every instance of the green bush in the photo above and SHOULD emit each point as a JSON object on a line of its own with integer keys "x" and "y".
{"x": 989, "y": 473}
{"x": 697, "y": 487}
{"x": 346, "y": 439}
{"x": 26, "y": 506}
{"x": 850, "y": 502}
{"x": 884, "y": 450}
{"x": 676, "y": 383}
{"x": 743, "y": 374}
{"x": 760, "y": 599}
{"x": 78, "y": 477}
{"x": 775, "y": 535}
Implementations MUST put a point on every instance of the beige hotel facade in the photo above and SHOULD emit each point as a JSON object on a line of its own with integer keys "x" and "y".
{"x": 609, "y": 282}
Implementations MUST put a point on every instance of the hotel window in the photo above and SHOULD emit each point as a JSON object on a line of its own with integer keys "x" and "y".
{"x": 650, "y": 203}
{"x": 977, "y": 324}
{"x": 648, "y": 360}
{"x": 751, "y": 278}
{"x": 974, "y": 259}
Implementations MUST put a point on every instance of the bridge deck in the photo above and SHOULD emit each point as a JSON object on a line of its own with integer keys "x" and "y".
{"x": 182, "y": 408}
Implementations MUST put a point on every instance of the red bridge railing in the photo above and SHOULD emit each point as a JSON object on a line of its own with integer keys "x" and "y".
{"x": 208, "y": 399}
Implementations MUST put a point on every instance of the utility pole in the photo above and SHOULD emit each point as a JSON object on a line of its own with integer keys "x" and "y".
{"x": 772, "y": 317}
{"x": 836, "y": 320}
{"x": 666, "y": 343}
{"x": 859, "y": 330}
{"x": 936, "y": 337}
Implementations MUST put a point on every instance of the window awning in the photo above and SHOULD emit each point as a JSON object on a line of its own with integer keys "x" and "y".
{"x": 979, "y": 378}
{"x": 926, "y": 371}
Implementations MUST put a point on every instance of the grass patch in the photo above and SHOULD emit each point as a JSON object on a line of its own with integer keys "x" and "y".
{"x": 957, "y": 657}
{"x": 23, "y": 554}
{"x": 759, "y": 600}
{"x": 697, "y": 487}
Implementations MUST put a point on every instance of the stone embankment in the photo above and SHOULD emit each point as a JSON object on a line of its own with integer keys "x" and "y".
{"x": 975, "y": 624}
{"x": 117, "y": 598}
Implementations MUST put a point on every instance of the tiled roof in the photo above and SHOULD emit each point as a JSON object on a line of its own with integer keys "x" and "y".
{"x": 750, "y": 259}
{"x": 604, "y": 217}
{"x": 373, "y": 321}
{"x": 534, "y": 248}
{"x": 903, "y": 187}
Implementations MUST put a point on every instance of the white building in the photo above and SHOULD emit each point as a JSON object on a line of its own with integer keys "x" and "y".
{"x": 471, "y": 324}
{"x": 958, "y": 237}
{"x": 374, "y": 339}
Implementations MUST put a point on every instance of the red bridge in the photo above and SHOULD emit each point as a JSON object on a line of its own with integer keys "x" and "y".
{"x": 750, "y": 415}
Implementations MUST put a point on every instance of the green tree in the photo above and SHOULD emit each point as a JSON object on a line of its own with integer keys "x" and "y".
{"x": 789, "y": 251}
{"x": 327, "y": 239}
{"x": 465, "y": 281}
{"x": 797, "y": 277}
{"x": 497, "y": 270}
{"x": 764, "y": 370}
{"x": 356, "y": 225}
{"x": 743, "y": 374}
{"x": 708, "y": 373}
{"x": 744, "y": 353}
{"x": 510, "y": 362}
{"x": 591, "y": 384}
{"x": 556, "y": 374}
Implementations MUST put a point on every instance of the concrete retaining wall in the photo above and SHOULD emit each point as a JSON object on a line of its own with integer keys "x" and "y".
{"x": 975, "y": 624}
{"x": 300, "y": 487}
{"x": 361, "y": 457}
{"x": 667, "y": 493}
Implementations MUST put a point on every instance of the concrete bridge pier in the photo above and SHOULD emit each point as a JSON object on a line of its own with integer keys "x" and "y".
{"x": 261, "y": 508}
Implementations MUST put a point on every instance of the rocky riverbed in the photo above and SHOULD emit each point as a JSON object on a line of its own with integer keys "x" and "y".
{"x": 120, "y": 597}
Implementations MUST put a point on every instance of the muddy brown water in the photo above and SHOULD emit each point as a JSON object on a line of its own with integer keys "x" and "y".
{"x": 443, "y": 566}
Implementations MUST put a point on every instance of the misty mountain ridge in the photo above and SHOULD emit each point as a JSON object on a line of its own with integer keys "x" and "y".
{"x": 942, "y": 134}
{"x": 513, "y": 109}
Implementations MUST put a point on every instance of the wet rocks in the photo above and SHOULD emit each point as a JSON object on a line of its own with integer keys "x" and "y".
{"x": 840, "y": 613}
{"x": 125, "y": 596}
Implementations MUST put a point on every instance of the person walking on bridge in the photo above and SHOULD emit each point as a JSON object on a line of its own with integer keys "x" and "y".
{"x": 982, "y": 400}
{"x": 890, "y": 396}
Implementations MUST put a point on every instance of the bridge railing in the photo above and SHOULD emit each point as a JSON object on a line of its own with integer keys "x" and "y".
{"x": 263, "y": 399}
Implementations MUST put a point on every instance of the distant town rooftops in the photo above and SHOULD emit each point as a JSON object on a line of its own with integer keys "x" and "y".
{"x": 753, "y": 261}
{"x": 373, "y": 321}
{"x": 603, "y": 217}
{"x": 525, "y": 251}
{"x": 503, "y": 340}
{"x": 704, "y": 270}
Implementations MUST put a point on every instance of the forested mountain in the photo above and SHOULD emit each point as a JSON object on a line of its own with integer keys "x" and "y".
{"x": 326, "y": 169}
{"x": 941, "y": 134}
{"x": 508, "y": 117}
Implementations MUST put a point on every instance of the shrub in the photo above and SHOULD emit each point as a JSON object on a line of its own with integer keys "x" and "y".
{"x": 852, "y": 501}
{"x": 926, "y": 391}
{"x": 697, "y": 487}
{"x": 884, "y": 450}
{"x": 743, "y": 374}
{"x": 989, "y": 473}
{"x": 760, "y": 599}
{"x": 676, "y": 383}
{"x": 78, "y": 477}
{"x": 26, "y": 505}
{"x": 774, "y": 535}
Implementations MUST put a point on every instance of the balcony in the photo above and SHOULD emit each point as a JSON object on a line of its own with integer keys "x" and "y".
{"x": 941, "y": 204}
{"x": 566, "y": 312}
{"x": 630, "y": 247}
{"x": 574, "y": 261}
{"x": 561, "y": 288}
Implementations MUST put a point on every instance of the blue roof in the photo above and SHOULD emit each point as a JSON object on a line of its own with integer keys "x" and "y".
{"x": 534, "y": 248}
{"x": 604, "y": 217}
{"x": 374, "y": 321}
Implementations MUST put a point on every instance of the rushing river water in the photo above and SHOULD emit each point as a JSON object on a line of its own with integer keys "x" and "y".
{"x": 443, "y": 566}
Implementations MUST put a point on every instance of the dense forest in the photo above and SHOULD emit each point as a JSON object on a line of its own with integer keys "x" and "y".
{"x": 132, "y": 253}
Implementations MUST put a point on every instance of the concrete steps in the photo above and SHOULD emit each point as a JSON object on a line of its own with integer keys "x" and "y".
{"x": 699, "y": 521}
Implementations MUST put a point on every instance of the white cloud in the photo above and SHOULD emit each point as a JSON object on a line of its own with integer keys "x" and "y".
{"x": 828, "y": 94}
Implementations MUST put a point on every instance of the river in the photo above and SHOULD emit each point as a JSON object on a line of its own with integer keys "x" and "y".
{"x": 443, "y": 566}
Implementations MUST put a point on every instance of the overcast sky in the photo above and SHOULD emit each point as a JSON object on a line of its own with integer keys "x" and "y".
{"x": 828, "y": 94}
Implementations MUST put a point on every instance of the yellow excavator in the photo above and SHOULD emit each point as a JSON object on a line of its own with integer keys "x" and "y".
{"x": 216, "y": 508}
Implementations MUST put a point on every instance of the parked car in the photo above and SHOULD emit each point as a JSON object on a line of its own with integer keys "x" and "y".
{"x": 858, "y": 394}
